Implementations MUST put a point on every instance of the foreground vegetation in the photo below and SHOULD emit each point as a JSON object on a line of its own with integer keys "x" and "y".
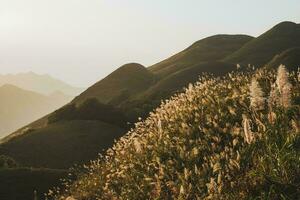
{"x": 223, "y": 138}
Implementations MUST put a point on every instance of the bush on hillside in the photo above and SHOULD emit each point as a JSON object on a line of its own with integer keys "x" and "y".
{"x": 68, "y": 112}
{"x": 7, "y": 162}
{"x": 235, "y": 137}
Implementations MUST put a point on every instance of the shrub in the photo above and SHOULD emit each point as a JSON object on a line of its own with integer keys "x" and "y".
{"x": 7, "y": 162}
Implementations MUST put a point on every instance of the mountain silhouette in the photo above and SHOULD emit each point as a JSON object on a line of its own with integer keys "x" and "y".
{"x": 213, "y": 48}
{"x": 43, "y": 84}
{"x": 18, "y": 107}
{"x": 262, "y": 49}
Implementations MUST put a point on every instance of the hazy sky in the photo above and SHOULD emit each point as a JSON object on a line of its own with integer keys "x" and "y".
{"x": 81, "y": 41}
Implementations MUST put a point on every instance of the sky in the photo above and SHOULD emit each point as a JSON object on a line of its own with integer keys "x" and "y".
{"x": 82, "y": 41}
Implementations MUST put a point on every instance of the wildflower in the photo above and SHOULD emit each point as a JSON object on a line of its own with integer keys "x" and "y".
{"x": 256, "y": 96}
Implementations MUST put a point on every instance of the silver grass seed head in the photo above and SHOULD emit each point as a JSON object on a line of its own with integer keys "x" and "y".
{"x": 257, "y": 99}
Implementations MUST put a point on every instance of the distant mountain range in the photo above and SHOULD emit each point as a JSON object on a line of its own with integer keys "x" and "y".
{"x": 19, "y": 107}
{"x": 43, "y": 84}
{"x": 135, "y": 90}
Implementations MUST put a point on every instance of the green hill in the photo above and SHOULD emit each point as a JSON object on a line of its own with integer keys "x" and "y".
{"x": 290, "y": 58}
{"x": 213, "y": 48}
{"x": 262, "y": 49}
{"x": 62, "y": 144}
{"x": 127, "y": 80}
{"x": 223, "y": 138}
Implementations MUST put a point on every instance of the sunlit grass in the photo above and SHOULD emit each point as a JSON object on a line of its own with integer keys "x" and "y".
{"x": 235, "y": 137}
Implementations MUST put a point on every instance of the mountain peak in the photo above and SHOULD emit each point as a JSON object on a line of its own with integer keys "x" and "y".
{"x": 216, "y": 39}
{"x": 9, "y": 87}
{"x": 130, "y": 68}
{"x": 213, "y": 48}
{"x": 119, "y": 85}
{"x": 286, "y": 24}
{"x": 285, "y": 27}
{"x": 262, "y": 49}
{"x": 40, "y": 83}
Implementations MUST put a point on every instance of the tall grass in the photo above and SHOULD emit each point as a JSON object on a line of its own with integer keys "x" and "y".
{"x": 235, "y": 137}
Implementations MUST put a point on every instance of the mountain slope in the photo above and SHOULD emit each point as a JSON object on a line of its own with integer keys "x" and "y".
{"x": 20, "y": 183}
{"x": 141, "y": 104}
{"x": 262, "y": 49}
{"x": 18, "y": 107}
{"x": 213, "y": 48}
{"x": 43, "y": 84}
{"x": 119, "y": 85}
{"x": 127, "y": 80}
{"x": 176, "y": 81}
{"x": 290, "y": 58}
{"x": 62, "y": 144}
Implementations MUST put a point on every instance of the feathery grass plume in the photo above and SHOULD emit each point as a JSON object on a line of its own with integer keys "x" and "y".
{"x": 286, "y": 95}
{"x": 284, "y": 87}
{"x": 271, "y": 117}
{"x": 274, "y": 97}
{"x": 257, "y": 99}
{"x": 137, "y": 145}
{"x": 282, "y": 77}
{"x": 248, "y": 134}
{"x": 70, "y": 198}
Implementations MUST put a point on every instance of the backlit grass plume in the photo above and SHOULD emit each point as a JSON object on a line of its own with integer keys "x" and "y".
{"x": 206, "y": 143}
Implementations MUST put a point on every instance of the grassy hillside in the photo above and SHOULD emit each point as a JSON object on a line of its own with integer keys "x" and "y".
{"x": 19, "y": 107}
{"x": 90, "y": 109}
{"x": 262, "y": 49}
{"x": 20, "y": 183}
{"x": 213, "y": 48}
{"x": 141, "y": 104}
{"x": 290, "y": 58}
{"x": 127, "y": 80}
{"x": 235, "y": 137}
{"x": 62, "y": 144}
